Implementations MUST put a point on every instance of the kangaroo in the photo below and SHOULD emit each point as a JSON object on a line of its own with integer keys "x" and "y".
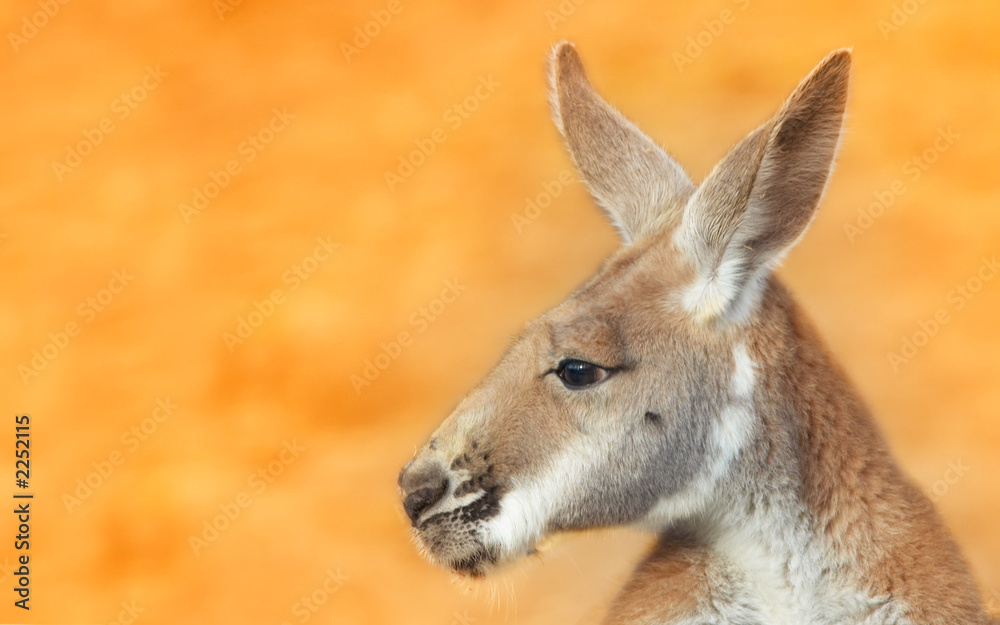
{"x": 682, "y": 391}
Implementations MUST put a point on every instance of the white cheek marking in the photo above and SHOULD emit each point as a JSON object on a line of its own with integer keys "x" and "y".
{"x": 527, "y": 509}
{"x": 745, "y": 373}
{"x": 524, "y": 512}
{"x": 730, "y": 434}
{"x": 735, "y": 424}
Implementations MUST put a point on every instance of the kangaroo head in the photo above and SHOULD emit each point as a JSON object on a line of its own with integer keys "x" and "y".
{"x": 626, "y": 403}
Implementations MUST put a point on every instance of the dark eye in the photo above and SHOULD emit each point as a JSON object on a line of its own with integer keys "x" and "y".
{"x": 580, "y": 373}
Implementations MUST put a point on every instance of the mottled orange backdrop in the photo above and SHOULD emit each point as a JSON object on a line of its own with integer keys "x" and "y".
{"x": 171, "y": 171}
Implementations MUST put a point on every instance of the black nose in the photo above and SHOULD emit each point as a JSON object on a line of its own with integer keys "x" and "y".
{"x": 423, "y": 486}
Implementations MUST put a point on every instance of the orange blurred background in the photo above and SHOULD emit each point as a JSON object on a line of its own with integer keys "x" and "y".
{"x": 201, "y": 248}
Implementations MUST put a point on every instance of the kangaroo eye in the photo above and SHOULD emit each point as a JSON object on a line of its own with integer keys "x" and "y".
{"x": 580, "y": 374}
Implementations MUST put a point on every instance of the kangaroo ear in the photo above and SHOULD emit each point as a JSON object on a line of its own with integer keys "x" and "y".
{"x": 639, "y": 185}
{"x": 760, "y": 199}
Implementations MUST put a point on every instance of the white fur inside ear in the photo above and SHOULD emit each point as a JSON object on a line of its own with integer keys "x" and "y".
{"x": 711, "y": 295}
{"x": 724, "y": 297}
{"x": 725, "y": 290}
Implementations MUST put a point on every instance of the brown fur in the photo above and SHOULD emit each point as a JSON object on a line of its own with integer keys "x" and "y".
{"x": 880, "y": 523}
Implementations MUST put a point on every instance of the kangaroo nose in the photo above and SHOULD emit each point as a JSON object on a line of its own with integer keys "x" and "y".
{"x": 422, "y": 486}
